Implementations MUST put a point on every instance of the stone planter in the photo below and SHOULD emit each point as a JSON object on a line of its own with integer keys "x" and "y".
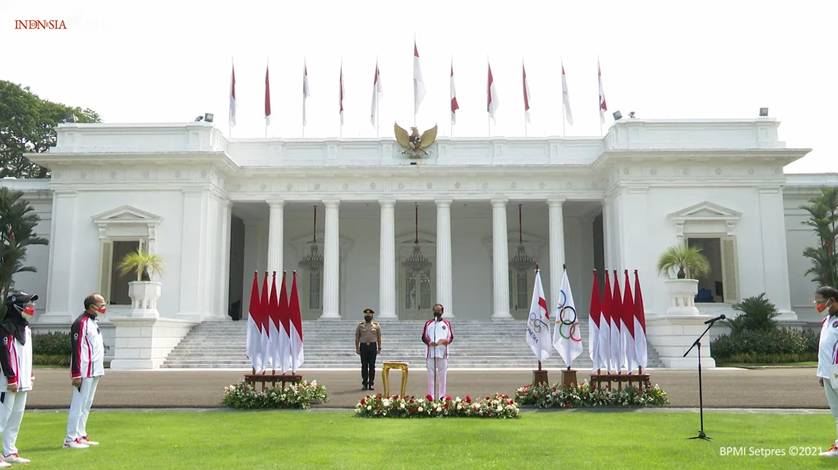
{"x": 144, "y": 296}
{"x": 682, "y": 296}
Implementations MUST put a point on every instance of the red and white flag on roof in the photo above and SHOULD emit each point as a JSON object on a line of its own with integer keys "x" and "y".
{"x": 376, "y": 92}
{"x": 232, "y": 115}
{"x": 538, "y": 322}
{"x": 603, "y": 107}
{"x": 454, "y": 105}
{"x": 340, "y": 94}
{"x": 267, "y": 97}
{"x": 418, "y": 82}
{"x": 526, "y": 93}
{"x": 568, "y": 116}
{"x": 305, "y": 92}
{"x": 491, "y": 94}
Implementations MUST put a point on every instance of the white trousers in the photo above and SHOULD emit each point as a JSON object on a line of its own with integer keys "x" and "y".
{"x": 80, "y": 408}
{"x": 11, "y": 415}
{"x": 832, "y": 399}
{"x": 441, "y": 372}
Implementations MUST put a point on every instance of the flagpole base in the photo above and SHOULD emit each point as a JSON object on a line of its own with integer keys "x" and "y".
{"x": 569, "y": 378}
{"x": 539, "y": 377}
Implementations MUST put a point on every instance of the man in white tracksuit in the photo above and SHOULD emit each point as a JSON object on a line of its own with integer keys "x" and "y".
{"x": 86, "y": 368}
{"x": 826, "y": 303}
{"x": 437, "y": 334}
{"x": 16, "y": 363}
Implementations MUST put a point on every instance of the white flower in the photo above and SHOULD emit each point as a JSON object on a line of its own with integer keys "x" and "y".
{"x": 369, "y": 408}
{"x": 401, "y": 406}
{"x": 420, "y": 409}
{"x": 438, "y": 409}
{"x": 385, "y": 402}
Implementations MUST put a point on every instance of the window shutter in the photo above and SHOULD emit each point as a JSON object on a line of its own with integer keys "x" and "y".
{"x": 106, "y": 256}
{"x": 730, "y": 273}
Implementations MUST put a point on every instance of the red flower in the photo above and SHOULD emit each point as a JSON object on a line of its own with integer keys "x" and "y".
{"x": 363, "y": 402}
{"x": 447, "y": 397}
{"x": 468, "y": 398}
{"x": 429, "y": 397}
{"x": 378, "y": 395}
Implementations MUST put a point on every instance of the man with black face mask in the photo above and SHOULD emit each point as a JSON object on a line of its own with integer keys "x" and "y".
{"x": 16, "y": 362}
{"x": 368, "y": 345}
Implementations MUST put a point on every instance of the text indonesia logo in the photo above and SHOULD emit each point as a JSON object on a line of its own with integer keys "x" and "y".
{"x": 40, "y": 24}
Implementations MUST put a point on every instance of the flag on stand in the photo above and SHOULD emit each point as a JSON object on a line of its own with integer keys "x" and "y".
{"x": 639, "y": 324}
{"x": 568, "y": 116}
{"x": 628, "y": 324}
{"x": 376, "y": 91}
{"x": 273, "y": 325}
{"x": 491, "y": 95}
{"x": 233, "y": 97}
{"x": 567, "y": 334}
{"x": 305, "y": 91}
{"x": 296, "y": 327}
{"x": 603, "y": 107}
{"x": 618, "y": 346}
{"x": 264, "y": 308}
{"x": 538, "y": 322}
{"x": 605, "y": 324}
{"x": 284, "y": 353}
{"x": 253, "y": 326}
{"x": 267, "y": 98}
{"x": 454, "y": 105}
{"x": 526, "y": 94}
{"x": 340, "y": 94}
{"x": 594, "y": 321}
{"x": 418, "y": 82}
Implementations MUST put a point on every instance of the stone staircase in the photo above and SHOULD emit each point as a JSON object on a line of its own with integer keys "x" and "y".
{"x": 331, "y": 344}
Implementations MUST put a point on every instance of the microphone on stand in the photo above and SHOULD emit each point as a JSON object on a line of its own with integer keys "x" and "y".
{"x": 714, "y": 320}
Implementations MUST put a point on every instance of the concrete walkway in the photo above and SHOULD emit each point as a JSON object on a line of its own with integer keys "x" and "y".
{"x": 175, "y": 388}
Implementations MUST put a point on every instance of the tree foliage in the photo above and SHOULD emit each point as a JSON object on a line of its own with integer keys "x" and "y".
{"x": 17, "y": 233}
{"x": 823, "y": 218}
{"x": 27, "y": 125}
{"x": 687, "y": 259}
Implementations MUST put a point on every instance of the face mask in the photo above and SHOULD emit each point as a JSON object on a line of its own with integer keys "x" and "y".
{"x": 100, "y": 310}
{"x": 28, "y": 312}
{"x": 820, "y": 307}
{"x": 437, "y": 315}
{"x": 368, "y": 318}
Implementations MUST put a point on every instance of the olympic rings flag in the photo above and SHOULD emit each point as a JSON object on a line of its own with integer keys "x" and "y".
{"x": 538, "y": 322}
{"x": 567, "y": 335}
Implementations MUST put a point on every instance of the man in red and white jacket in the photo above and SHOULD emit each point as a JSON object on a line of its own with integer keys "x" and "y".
{"x": 16, "y": 362}
{"x": 437, "y": 334}
{"x": 86, "y": 368}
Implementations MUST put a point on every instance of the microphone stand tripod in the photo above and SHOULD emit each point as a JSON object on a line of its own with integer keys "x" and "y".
{"x": 697, "y": 344}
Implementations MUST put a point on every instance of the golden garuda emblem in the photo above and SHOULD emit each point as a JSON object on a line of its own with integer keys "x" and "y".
{"x": 414, "y": 145}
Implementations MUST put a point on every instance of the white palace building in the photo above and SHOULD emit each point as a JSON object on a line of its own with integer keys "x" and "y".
{"x": 462, "y": 227}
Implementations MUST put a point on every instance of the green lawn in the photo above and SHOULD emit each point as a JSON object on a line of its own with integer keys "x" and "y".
{"x": 288, "y": 439}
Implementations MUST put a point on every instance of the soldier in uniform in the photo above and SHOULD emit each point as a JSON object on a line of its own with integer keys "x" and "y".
{"x": 368, "y": 345}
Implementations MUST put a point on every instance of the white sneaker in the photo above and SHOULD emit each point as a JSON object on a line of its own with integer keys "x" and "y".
{"x": 85, "y": 440}
{"x": 831, "y": 452}
{"x": 75, "y": 444}
{"x": 4, "y": 464}
{"x": 15, "y": 458}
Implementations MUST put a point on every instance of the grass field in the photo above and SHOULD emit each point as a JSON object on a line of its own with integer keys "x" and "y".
{"x": 337, "y": 439}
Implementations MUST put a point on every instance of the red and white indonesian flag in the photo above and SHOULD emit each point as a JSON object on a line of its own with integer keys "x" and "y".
{"x": 491, "y": 95}
{"x": 267, "y": 97}
{"x": 605, "y": 325}
{"x": 376, "y": 92}
{"x": 603, "y": 107}
{"x": 253, "y": 327}
{"x": 273, "y": 326}
{"x": 418, "y": 82}
{"x": 538, "y": 322}
{"x": 283, "y": 354}
{"x": 567, "y": 334}
{"x": 264, "y": 311}
{"x": 526, "y": 94}
{"x": 340, "y": 94}
{"x": 568, "y": 116}
{"x": 628, "y": 324}
{"x": 639, "y": 324}
{"x": 454, "y": 105}
{"x": 296, "y": 327}
{"x": 595, "y": 319}
{"x": 232, "y": 116}
{"x": 305, "y": 92}
{"x": 618, "y": 346}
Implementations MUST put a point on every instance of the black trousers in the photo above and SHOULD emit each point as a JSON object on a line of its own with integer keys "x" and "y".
{"x": 368, "y": 353}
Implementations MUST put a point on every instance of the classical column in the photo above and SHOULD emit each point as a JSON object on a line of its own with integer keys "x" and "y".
{"x": 387, "y": 260}
{"x": 443, "y": 256}
{"x": 331, "y": 261}
{"x": 500, "y": 260}
{"x": 226, "y": 224}
{"x": 275, "y": 236}
{"x": 557, "y": 255}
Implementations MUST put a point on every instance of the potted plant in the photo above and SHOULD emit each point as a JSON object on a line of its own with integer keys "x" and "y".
{"x": 687, "y": 263}
{"x": 144, "y": 292}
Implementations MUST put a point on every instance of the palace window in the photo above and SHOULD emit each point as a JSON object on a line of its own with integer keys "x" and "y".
{"x": 720, "y": 284}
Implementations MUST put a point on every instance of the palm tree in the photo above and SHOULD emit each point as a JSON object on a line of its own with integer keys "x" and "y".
{"x": 143, "y": 263}
{"x": 17, "y": 233}
{"x": 688, "y": 260}
{"x": 823, "y": 218}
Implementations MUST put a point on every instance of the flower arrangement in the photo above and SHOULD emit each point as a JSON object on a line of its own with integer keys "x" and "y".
{"x": 300, "y": 395}
{"x": 583, "y": 396}
{"x": 377, "y": 406}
